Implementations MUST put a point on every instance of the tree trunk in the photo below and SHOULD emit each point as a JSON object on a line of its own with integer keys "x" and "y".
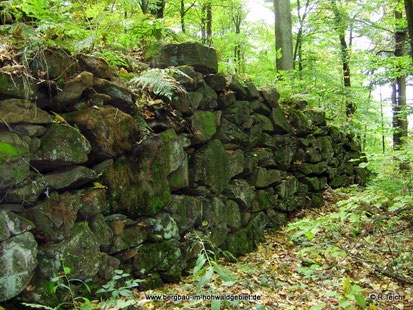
{"x": 182, "y": 13}
{"x": 283, "y": 35}
{"x": 209, "y": 23}
{"x": 399, "y": 92}
{"x": 345, "y": 58}
{"x": 144, "y": 6}
{"x": 158, "y": 8}
{"x": 408, "y": 6}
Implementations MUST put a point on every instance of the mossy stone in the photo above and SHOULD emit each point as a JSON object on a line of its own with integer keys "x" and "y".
{"x": 79, "y": 251}
{"x": 18, "y": 261}
{"x": 12, "y": 146}
{"x": 232, "y": 215}
{"x": 61, "y": 146}
{"x": 203, "y": 125}
{"x": 280, "y": 122}
{"x": 264, "y": 177}
{"x": 55, "y": 216}
{"x": 186, "y": 211}
{"x": 13, "y": 85}
{"x": 240, "y": 191}
{"x": 162, "y": 257}
{"x": 213, "y": 173}
{"x": 14, "y": 111}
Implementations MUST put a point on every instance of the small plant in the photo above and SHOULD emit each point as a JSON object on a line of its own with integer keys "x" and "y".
{"x": 63, "y": 281}
{"x": 118, "y": 287}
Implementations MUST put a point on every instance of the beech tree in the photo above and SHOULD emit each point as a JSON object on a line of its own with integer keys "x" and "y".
{"x": 283, "y": 35}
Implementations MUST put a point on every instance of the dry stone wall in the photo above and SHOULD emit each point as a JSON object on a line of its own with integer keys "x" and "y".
{"x": 97, "y": 187}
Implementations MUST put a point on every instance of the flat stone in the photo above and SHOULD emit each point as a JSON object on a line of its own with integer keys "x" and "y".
{"x": 202, "y": 58}
{"x": 70, "y": 177}
{"x": 19, "y": 110}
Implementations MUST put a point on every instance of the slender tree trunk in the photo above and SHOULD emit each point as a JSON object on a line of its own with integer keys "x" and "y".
{"x": 408, "y": 6}
{"x": 283, "y": 34}
{"x": 345, "y": 58}
{"x": 182, "y": 13}
{"x": 383, "y": 144}
{"x": 399, "y": 93}
{"x": 209, "y": 24}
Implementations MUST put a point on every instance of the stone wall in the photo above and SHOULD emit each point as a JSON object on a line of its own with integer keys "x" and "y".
{"x": 105, "y": 184}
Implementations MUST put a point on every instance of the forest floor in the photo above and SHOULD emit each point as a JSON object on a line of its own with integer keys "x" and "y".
{"x": 285, "y": 277}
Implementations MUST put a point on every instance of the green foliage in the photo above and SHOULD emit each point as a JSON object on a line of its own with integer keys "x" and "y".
{"x": 65, "y": 283}
{"x": 160, "y": 82}
{"x": 116, "y": 289}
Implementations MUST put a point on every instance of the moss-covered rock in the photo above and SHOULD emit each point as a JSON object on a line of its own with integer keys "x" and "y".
{"x": 55, "y": 216}
{"x": 315, "y": 184}
{"x": 186, "y": 103}
{"x": 238, "y": 113}
{"x": 18, "y": 86}
{"x": 12, "y": 146}
{"x": 69, "y": 177}
{"x": 213, "y": 173}
{"x": 270, "y": 95}
{"x": 317, "y": 118}
{"x": 311, "y": 169}
{"x": 164, "y": 258}
{"x": 264, "y": 177}
{"x": 19, "y": 110}
{"x": 236, "y": 162}
{"x": 230, "y": 133}
{"x": 61, "y": 146}
{"x": 265, "y": 199}
{"x": 138, "y": 188}
{"x": 280, "y": 122}
{"x": 102, "y": 231}
{"x": 13, "y": 173}
{"x": 18, "y": 261}
{"x": 237, "y": 86}
{"x": 232, "y": 215}
{"x": 300, "y": 122}
{"x": 129, "y": 237}
{"x": 209, "y": 98}
{"x": 96, "y": 65}
{"x": 92, "y": 202}
{"x": 288, "y": 187}
{"x": 179, "y": 178}
{"x": 110, "y": 131}
{"x": 28, "y": 193}
{"x": 73, "y": 90}
{"x": 202, "y": 58}
{"x": 121, "y": 97}
{"x": 203, "y": 126}
{"x": 244, "y": 240}
{"x": 216, "y": 81}
{"x": 186, "y": 211}
{"x": 79, "y": 251}
{"x": 240, "y": 191}
{"x": 212, "y": 211}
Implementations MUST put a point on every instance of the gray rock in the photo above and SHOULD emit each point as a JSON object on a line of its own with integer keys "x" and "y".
{"x": 17, "y": 261}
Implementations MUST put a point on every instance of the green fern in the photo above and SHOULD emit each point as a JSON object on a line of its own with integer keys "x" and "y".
{"x": 160, "y": 82}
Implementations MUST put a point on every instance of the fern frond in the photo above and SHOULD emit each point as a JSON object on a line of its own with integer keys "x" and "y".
{"x": 160, "y": 82}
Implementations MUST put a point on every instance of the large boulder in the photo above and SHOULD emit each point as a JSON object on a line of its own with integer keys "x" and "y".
{"x": 110, "y": 131}
{"x": 202, "y": 58}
